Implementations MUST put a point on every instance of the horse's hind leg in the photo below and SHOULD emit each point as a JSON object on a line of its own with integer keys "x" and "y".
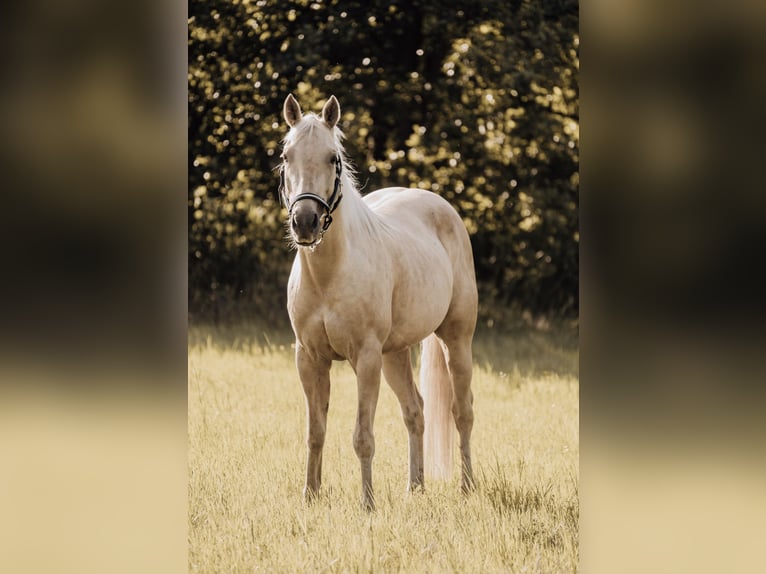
{"x": 397, "y": 368}
{"x": 315, "y": 378}
{"x": 460, "y": 366}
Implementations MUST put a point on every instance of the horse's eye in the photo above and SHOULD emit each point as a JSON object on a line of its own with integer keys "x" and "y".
{"x": 334, "y": 160}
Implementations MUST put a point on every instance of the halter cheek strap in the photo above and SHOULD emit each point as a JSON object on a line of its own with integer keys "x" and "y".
{"x": 329, "y": 206}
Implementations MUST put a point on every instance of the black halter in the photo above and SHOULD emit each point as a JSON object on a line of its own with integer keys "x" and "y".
{"x": 329, "y": 206}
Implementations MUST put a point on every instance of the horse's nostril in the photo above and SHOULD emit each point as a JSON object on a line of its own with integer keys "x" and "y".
{"x": 294, "y": 222}
{"x": 315, "y": 221}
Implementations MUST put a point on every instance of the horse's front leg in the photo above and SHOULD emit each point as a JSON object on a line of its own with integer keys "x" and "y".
{"x": 315, "y": 378}
{"x": 367, "y": 368}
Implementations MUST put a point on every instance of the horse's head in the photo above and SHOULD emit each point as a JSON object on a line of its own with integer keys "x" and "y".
{"x": 311, "y": 171}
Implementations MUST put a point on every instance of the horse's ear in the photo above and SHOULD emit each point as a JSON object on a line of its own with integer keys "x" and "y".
{"x": 331, "y": 112}
{"x": 292, "y": 111}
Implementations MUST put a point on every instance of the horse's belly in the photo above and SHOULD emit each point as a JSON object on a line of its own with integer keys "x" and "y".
{"x": 418, "y": 310}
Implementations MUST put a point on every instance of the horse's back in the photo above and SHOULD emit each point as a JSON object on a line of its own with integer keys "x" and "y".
{"x": 393, "y": 198}
{"x": 420, "y": 211}
{"x": 409, "y": 207}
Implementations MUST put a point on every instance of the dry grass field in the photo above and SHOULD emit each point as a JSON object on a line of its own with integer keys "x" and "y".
{"x": 246, "y": 467}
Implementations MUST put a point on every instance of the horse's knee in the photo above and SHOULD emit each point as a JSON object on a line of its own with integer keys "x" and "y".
{"x": 364, "y": 444}
{"x": 462, "y": 373}
{"x": 315, "y": 443}
{"x": 413, "y": 420}
{"x": 315, "y": 440}
{"x": 463, "y": 414}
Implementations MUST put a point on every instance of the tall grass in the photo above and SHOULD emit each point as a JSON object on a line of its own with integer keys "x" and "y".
{"x": 246, "y": 470}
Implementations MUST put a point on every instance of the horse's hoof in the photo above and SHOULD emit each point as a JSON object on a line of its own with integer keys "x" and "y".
{"x": 416, "y": 488}
{"x": 310, "y": 495}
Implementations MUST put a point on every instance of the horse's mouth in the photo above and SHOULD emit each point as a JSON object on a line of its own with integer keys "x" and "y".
{"x": 309, "y": 244}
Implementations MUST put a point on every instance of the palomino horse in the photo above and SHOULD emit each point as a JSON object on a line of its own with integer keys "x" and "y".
{"x": 372, "y": 277}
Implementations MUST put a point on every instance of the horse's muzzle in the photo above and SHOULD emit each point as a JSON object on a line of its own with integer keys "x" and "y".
{"x": 305, "y": 223}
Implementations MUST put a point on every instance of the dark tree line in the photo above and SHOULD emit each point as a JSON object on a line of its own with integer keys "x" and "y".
{"x": 477, "y": 101}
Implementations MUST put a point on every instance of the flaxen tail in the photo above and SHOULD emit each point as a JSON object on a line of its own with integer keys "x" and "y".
{"x": 436, "y": 389}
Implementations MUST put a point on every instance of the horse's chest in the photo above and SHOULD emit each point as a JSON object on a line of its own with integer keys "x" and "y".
{"x": 326, "y": 332}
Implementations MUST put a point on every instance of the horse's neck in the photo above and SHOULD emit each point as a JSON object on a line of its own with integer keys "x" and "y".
{"x": 349, "y": 230}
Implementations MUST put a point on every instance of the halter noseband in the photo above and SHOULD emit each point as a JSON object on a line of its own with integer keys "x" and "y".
{"x": 330, "y": 205}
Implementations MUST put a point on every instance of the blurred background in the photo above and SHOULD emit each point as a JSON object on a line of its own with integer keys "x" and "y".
{"x": 476, "y": 101}
{"x": 93, "y": 287}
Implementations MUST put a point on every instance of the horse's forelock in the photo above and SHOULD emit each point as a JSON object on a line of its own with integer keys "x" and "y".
{"x": 307, "y": 125}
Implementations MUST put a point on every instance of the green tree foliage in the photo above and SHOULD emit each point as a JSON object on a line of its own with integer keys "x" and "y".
{"x": 477, "y": 101}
